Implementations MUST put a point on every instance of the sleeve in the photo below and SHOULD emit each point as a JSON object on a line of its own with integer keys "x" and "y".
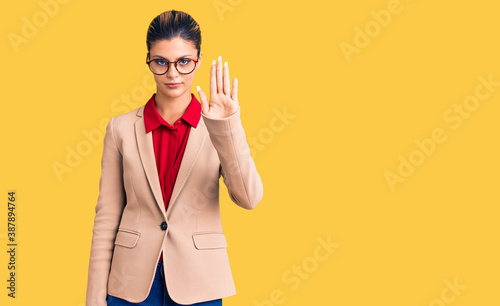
{"x": 109, "y": 208}
{"x": 237, "y": 166}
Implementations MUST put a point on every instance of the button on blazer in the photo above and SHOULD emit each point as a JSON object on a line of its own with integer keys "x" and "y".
{"x": 131, "y": 227}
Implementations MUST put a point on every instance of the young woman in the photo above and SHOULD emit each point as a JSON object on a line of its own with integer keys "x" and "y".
{"x": 157, "y": 235}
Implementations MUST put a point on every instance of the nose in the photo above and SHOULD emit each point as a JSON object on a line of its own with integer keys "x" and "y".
{"x": 172, "y": 71}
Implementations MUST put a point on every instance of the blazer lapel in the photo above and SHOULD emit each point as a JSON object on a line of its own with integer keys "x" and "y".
{"x": 147, "y": 154}
{"x": 196, "y": 139}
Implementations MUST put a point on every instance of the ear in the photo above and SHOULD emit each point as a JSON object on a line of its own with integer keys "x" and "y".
{"x": 199, "y": 60}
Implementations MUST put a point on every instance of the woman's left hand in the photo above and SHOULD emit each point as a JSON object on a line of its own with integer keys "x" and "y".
{"x": 223, "y": 102}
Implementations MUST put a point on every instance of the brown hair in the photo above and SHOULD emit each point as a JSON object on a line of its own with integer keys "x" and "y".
{"x": 171, "y": 24}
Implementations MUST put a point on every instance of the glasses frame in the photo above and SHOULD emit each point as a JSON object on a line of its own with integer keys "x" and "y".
{"x": 168, "y": 64}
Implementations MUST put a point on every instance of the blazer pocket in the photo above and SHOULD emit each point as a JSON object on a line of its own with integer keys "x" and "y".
{"x": 209, "y": 241}
{"x": 127, "y": 238}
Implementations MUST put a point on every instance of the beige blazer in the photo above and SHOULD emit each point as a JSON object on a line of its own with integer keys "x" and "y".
{"x": 131, "y": 227}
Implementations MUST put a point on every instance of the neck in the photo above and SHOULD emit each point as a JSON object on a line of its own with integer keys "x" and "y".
{"x": 171, "y": 109}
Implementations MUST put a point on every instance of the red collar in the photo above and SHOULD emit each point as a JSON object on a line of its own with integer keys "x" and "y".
{"x": 152, "y": 118}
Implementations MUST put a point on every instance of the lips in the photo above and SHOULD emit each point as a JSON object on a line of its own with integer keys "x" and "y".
{"x": 173, "y": 85}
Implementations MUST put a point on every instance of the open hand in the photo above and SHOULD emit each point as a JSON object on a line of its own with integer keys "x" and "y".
{"x": 223, "y": 102}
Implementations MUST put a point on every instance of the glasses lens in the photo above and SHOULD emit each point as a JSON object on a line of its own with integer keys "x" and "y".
{"x": 158, "y": 66}
{"x": 185, "y": 65}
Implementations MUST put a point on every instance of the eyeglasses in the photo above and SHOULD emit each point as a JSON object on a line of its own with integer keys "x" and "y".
{"x": 161, "y": 66}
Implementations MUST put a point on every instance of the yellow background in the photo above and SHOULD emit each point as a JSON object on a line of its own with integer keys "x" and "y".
{"x": 323, "y": 170}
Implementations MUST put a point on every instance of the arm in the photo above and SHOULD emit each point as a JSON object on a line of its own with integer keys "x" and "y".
{"x": 109, "y": 207}
{"x": 237, "y": 166}
{"x": 222, "y": 118}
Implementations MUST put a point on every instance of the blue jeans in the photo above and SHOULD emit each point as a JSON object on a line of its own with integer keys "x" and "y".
{"x": 158, "y": 296}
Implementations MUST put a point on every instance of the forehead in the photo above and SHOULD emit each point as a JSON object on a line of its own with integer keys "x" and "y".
{"x": 173, "y": 48}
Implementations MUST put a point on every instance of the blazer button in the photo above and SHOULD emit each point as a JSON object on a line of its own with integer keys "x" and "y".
{"x": 164, "y": 225}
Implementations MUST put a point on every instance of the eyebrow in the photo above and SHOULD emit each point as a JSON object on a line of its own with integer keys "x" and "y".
{"x": 161, "y": 57}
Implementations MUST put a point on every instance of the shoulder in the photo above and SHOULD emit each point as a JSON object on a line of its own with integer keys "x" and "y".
{"x": 127, "y": 119}
{"x": 123, "y": 126}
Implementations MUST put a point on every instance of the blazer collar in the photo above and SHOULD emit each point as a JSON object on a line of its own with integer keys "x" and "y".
{"x": 196, "y": 139}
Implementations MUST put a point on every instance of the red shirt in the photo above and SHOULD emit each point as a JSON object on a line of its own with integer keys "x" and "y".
{"x": 170, "y": 142}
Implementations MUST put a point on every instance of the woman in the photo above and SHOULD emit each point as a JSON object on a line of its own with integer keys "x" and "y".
{"x": 157, "y": 235}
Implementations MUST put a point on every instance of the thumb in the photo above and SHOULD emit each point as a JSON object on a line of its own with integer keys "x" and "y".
{"x": 203, "y": 100}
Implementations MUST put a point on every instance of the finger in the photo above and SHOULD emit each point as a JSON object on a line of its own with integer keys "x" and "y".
{"x": 234, "y": 94}
{"x": 203, "y": 100}
{"x": 219, "y": 74}
{"x": 213, "y": 84}
{"x": 227, "y": 85}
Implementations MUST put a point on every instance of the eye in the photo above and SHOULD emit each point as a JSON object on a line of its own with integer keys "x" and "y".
{"x": 184, "y": 61}
{"x": 160, "y": 62}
